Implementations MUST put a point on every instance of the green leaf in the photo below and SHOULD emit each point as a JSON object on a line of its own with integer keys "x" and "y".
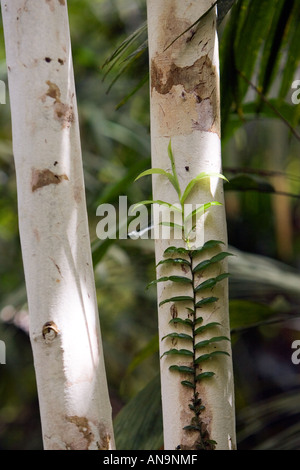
{"x": 256, "y": 18}
{"x": 187, "y": 384}
{"x": 175, "y": 261}
{"x": 207, "y": 300}
{"x": 151, "y": 348}
{"x": 125, "y": 44}
{"x": 178, "y": 336}
{"x": 186, "y": 322}
{"x": 205, "y": 327}
{"x": 178, "y": 352}
{"x": 126, "y": 65}
{"x": 180, "y": 279}
{"x": 159, "y": 171}
{"x": 247, "y": 314}
{"x": 198, "y": 320}
{"x": 178, "y": 298}
{"x": 207, "y": 245}
{"x": 162, "y": 203}
{"x": 210, "y": 283}
{"x": 171, "y": 157}
{"x": 208, "y": 356}
{"x": 201, "y": 209}
{"x": 293, "y": 57}
{"x": 183, "y": 369}
{"x": 215, "y": 259}
{"x": 275, "y": 40}
{"x": 204, "y": 375}
{"x": 138, "y": 425}
{"x": 191, "y": 427}
{"x": 174, "y": 249}
{"x": 133, "y": 91}
{"x": 206, "y": 342}
{"x": 220, "y": 256}
{"x": 244, "y": 182}
{"x": 195, "y": 180}
{"x": 223, "y": 8}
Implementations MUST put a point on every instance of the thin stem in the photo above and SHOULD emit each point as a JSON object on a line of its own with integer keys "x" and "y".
{"x": 194, "y": 321}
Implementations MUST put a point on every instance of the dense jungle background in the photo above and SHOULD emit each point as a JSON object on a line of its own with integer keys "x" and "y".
{"x": 260, "y": 56}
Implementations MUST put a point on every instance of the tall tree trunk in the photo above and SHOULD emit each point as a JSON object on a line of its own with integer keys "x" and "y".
{"x": 185, "y": 108}
{"x": 64, "y": 325}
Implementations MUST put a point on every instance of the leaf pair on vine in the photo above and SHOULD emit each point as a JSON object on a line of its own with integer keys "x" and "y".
{"x": 188, "y": 220}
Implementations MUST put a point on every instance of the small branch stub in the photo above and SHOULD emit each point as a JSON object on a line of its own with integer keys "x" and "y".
{"x": 49, "y": 331}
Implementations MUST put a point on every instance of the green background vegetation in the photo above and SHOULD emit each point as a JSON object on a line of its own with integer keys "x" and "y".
{"x": 260, "y": 54}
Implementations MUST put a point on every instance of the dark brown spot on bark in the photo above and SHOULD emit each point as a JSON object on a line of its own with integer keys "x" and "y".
{"x": 41, "y": 178}
{"x": 64, "y": 113}
{"x": 53, "y": 91}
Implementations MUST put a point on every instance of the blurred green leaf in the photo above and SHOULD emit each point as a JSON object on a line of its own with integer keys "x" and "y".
{"x": 210, "y": 283}
{"x": 207, "y": 300}
{"x": 205, "y": 357}
{"x": 184, "y": 369}
{"x": 180, "y": 279}
{"x": 204, "y": 375}
{"x": 177, "y": 298}
{"x": 178, "y": 352}
{"x": 205, "y": 327}
{"x": 138, "y": 426}
{"x": 178, "y": 336}
{"x": 206, "y": 342}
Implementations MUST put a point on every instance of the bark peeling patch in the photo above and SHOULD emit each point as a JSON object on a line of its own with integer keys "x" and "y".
{"x": 41, "y": 178}
{"x": 189, "y": 92}
{"x": 196, "y": 78}
{"x": 62, "y": 111}
{"x": 62, "y": 2}
{"x": 104, "y": 443}
{"x": 83, "y": 427}
{"x": 53, "y": 91}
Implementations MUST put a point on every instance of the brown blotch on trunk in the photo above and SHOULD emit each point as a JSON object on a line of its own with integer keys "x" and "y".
{"x": 62, "y": 111}
{"x": 191, "y": 91}
{"x": 83, "y": 427}
{"x": 53, "y": 91}
{"x": 198, "y": 78}
{"x": 41, "y": 178}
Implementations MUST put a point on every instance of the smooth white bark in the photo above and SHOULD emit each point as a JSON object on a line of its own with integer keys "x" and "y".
{"x": 185, "y": 107}
{"x": 64, "y": 325}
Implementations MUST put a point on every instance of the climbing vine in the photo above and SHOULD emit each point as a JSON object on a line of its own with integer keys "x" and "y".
{"x": 199, "y": 295}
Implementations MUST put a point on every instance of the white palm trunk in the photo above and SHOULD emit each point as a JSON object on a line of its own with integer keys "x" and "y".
{"x": 185, "y": 107}
{"x": 64, "y": 326}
